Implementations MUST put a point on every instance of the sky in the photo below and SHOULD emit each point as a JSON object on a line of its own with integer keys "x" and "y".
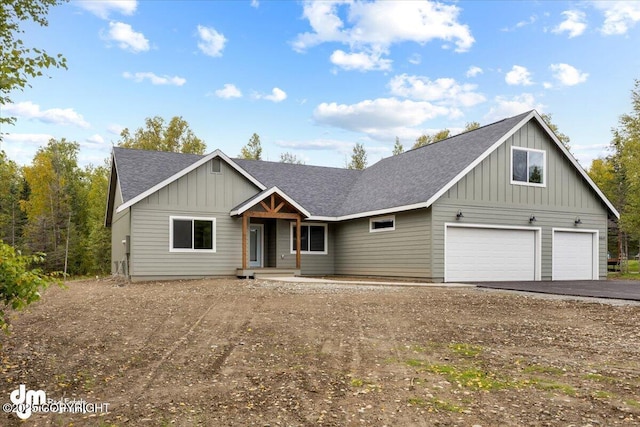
{"x": 314, "y": 78}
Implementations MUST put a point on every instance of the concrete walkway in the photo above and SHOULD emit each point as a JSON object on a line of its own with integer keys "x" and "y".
{"x": 368, "y": 282}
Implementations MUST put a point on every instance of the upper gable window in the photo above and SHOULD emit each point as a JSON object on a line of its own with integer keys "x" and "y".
{"x": 528, "y": 167}
{"x": 216, "y": 165}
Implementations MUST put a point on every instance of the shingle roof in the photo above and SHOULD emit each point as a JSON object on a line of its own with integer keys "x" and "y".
{"x": 139, "y": 170}
{"x": 406, "y": 179}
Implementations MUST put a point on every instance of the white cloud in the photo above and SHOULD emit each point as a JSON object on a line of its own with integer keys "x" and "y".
{"x": 518, "y": 75}
{"x": 568, "y": 75}
{"x": 444, "y": 91}
{"x": 58, "y": 116}
{"x": 255, "y": 3}
{"x": 415, "y": 59}
{"x": 95, "y": 139}
{"x": 380, "y": 117}
{"x": 228, "y": 91}
{"x": 532, "y": 19}
{"x": 102, "y": 8}
{"x": 619, "y": 16}
{"x": 21, "y": 147}
{"x": 573, "y": 24}
{"x": 375, "y": 26}
{"x": 126, "y": 38}
{"x": 211, "y": 42}
{"x": 509, "y": 107}
{"x": 154, "y": 79}
{"x": 360, "y": 61}
{"x": 115, "y": 129}
{"x": 474, "y": 71}
{"x": 277, "y": 95}
{"x": 344, "y": 147}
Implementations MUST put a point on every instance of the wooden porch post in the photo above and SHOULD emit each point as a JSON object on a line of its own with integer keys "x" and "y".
{"x": 298, "y": 243}
{"x": 245, "y": 221}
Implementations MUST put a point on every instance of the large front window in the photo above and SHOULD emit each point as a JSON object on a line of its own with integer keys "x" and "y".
{"x": 192, "y": 234}
{"x": 313, "y": 238}
{"x": 528, "y": 167}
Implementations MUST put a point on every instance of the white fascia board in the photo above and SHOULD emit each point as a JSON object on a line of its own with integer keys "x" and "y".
{"x": 183, "y": 172}
{"x": 577, "y": 165}
{"x": 269, "y": 192}
{"x": 367, "y": 214}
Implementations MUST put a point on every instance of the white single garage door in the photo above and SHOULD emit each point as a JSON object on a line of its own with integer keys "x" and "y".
{"x": 574, "y": 256}
{"x": 489, "y": 254}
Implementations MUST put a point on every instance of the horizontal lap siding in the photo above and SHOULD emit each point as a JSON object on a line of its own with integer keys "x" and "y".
{"x": 120, "y": 228}
{"x": 200, "y": 193}
{"x": 486, "y": 196}
{"x": 403, "y": 252}
{"x": 312, "y": 264}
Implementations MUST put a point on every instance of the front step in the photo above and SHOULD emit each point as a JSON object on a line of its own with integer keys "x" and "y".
{"x": 265, "y": 273}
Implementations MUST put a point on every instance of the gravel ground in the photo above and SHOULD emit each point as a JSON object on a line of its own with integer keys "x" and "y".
{"x": 227, "y": 352}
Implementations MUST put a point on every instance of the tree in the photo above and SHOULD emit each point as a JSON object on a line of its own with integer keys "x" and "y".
{"x": 290, "y": 158}
{"x": 20, "y": 284}
{"x": 423, "y": 140}
{"x": 19, "y": 63}
{"x": 561, "y": 136}
{"x": 99, "y": 236}
{"x": 176, "y": 136}
{"x": 471, "y": 126}
{"x": 397, "y": 147}
{"x": 358, "y": 157}
{"x": 11, "y": 191}
{"x": 253, "y": 149}
{"x": 56, "y": 209}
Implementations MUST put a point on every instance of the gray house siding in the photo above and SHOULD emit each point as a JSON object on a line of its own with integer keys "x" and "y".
{"x": 311, "y": 264}
{"x": 120, "y": 228}
{"x": 403, "y": 252}
{"x": 486, "y": 196}
{"x": 200, "y": 193}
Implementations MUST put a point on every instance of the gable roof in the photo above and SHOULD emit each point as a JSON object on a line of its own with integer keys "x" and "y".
{"x": 411, "y": 180}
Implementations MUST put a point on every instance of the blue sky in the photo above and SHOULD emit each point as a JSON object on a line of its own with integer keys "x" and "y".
{"x": 314, "y": 78}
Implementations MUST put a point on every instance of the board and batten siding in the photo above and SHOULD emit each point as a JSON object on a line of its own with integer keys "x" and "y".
{"x": 200, "y": 193}
{"x": 311, "y": 264}
{"x": 486, "y": 196}
{"x": 403, "y": 252}
{"x": 120, "y": 229}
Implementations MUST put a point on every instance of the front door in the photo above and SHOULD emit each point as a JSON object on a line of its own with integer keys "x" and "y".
{"x": 256, "y": 237}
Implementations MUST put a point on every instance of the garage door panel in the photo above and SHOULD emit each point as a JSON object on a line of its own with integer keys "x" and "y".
{"x": 573, "y": 255}
{"x": 488, "y": 254}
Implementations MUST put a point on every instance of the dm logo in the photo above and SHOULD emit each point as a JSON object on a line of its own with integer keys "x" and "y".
{"x": 25, "y": 401}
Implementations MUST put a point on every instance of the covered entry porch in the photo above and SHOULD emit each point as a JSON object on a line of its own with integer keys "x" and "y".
{"x": 271, "y": 234}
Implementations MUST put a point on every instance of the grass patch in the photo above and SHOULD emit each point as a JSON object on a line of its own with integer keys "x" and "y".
{"x": 601, "y": 394}
{"x": 540, "y": 369}
{"x": 633, "y": 403}
{"x": 601, "y": 378}
{"x": 435, "y": 404}
{"x": 473, "y": 378}
{"x": 466, "y": 350}
{"x": 542, "y": 384}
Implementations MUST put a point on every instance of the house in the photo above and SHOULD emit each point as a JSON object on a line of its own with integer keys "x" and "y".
{"x": 506, "y": 201}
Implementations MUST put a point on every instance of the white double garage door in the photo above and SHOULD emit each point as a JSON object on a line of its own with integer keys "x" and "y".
{"x": 487, "y": 253}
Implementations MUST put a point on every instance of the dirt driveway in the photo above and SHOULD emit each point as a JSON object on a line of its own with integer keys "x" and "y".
{"x": 230, "y": 352}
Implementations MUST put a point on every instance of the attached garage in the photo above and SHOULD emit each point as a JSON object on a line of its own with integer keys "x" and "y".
{"x": 575, "y": 254}
{"x": 486, "y": 253}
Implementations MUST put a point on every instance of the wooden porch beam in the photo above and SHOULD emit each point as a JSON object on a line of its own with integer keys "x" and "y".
{"x": 245, "y": 225}
{"x": 298, "y": 242}
{"x": 273, "y": 202}
{"x": 277, "y": 209}
{"x": 280, "y": 215}
{"x": 264, "y": 205}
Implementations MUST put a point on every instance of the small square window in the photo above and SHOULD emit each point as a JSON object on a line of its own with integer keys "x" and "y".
{"x": 384, "y": 223}
{"x": 528, "y": 167}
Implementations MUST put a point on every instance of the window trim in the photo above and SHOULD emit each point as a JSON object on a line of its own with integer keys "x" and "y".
{"x": 192, "y": 219}
{"x": 380, "y": 219}
{"x": 544, "y": 168}
{"x": 308, "y": 224}
{"x": 216, "y": 161}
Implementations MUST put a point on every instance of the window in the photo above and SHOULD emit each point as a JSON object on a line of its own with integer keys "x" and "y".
{"x": 216, "y": 165}
{"x": 528, "y": 167}
{"x": 383, "y": 223}
{"x": 313, "y": 238}
{"x": 192, "y": 234}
